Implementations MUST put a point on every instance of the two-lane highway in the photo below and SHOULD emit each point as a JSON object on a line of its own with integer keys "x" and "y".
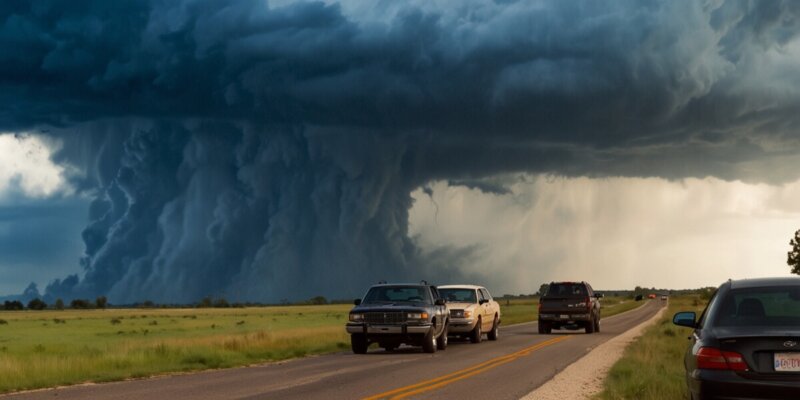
{"x": 518, "y": 362}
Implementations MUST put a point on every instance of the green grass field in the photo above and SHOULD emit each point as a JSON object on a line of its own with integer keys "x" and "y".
{"x": 652, "y": 366}
{"x": 50, "y": 348}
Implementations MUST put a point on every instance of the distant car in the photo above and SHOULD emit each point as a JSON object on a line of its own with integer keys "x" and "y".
{"x": 651, "y": 296}
{"x": 639, "y": 297}
{"x": 569, "y": 305}
{"x": 746, "y": 343}
{"x": 395, "y": 314}
{"x": 473, "y": 312}
{"x": 663, "y": 297}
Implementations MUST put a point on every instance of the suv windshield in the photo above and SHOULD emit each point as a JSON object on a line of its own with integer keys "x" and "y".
{"x": 566, "y": 290}
{"x": 767, "y": 306}
{"x": 397, "y": 294}
{"x": 459, "y": 295}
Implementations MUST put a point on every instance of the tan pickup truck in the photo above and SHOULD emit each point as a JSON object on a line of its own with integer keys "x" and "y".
{"x": 473, "y": 312}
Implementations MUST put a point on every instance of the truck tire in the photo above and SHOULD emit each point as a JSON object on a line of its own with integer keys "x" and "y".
{"x": 359, "y": 343}
{"x": 429, "y": 342}
{"x": 545, "y": 328}
{"x": 441, "y": 341}
{"x": 477, "y": 334}
{"x": 597, "y": 324}
{"x": 492, "y": 335}
{"x": 590, "y": 326}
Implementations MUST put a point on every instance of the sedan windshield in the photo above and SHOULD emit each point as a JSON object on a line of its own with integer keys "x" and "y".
{"x": 459, "y": 295}
{"x": 397, "y": 294}
{"x": 767, "y": 306}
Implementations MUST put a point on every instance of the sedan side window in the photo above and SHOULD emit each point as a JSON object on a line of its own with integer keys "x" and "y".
{"x": 480, "y": 295}
{"x": 486, "y": 294}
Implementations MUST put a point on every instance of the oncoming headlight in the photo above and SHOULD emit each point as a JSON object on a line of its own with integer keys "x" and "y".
{"x": 354, "y": 317}
{"x": 417, "y": 315}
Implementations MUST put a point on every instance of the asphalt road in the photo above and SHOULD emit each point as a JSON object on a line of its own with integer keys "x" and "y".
{"x": 518, "y": 362}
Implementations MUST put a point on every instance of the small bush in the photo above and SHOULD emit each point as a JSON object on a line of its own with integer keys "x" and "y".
{"x": 59, "y": 321}
{"x": 3, "y": 322}
{"x": 153, "y": 323}
{"x": 240, "y": 323}
{"x": 115, "y": 321}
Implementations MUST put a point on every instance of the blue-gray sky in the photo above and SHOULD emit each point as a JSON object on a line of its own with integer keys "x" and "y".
{"x": 268, "y": 150}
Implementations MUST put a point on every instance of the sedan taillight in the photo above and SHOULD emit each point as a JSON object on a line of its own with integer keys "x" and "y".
{"x": 713, "y": 358}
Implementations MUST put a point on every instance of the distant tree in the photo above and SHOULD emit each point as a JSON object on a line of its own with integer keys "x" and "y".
{"x": 793, "y": 257}
{"x": 15, "y": 305}
{"x": 147, "y": 304}
{"x": 37, "y": 304}
{"x": 59, "y": 305}
{"x": 206, "y": 302}
{"x": 318, "y": 300}
{"x": 221, "y": 303}
{"x": 543, "y": 289}
{"x": 101, "y": 302}
{"x": 80, "y": 304}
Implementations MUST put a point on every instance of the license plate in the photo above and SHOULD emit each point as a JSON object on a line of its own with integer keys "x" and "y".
{"x": 564, "y": 316}
{"x": 787, "y": 362}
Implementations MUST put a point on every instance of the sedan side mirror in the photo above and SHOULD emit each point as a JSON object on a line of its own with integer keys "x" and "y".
{"x": 357, "y": 302}
{"x": 439, "y": 302}
{"x": 686, "y": 318}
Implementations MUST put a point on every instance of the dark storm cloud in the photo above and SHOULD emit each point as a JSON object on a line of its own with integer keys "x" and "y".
{"x": 246, "y": 149}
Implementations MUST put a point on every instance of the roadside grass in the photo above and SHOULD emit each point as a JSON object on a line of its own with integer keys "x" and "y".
{"x": 41, "y": 349}
{"x": 652, "y": 366}
{"x": 50, "y": 348}
{"x": 516, "y": 311}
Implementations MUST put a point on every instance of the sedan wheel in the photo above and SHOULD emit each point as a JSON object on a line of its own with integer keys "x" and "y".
{"x": 477, "y": 334}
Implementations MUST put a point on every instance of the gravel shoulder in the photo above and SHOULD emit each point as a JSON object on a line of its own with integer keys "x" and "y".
{"x": 584, "y": 378}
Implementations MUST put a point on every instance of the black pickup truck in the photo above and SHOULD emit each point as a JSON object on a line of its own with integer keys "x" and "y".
{"x": 569, "y": 305}
{"x": 395, "y": 314}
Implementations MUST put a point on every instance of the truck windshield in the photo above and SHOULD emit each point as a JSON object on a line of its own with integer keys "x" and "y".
{"x": 397, "y": 294}
{"x": 566, "y": 290}
{"x": 459, "y": 295}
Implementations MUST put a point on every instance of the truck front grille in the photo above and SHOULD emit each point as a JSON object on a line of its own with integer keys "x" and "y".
{"x": 388, "y": 318}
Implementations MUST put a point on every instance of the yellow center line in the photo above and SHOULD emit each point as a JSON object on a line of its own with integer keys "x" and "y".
{"x": 445, "y": 380}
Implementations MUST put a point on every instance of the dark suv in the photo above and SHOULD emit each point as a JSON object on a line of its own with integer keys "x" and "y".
{"x": 746, "y": 343}
{"x": 395, "y": 314}
{"x": 569, "y": 305}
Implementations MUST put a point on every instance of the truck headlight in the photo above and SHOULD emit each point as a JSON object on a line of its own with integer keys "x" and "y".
{"x": 355, "y": 317}
{"x": 417, "y": 315}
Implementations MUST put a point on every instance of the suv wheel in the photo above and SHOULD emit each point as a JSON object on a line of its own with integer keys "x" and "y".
{"x": 359, "y": 343}
{"x": 441, "y": 342}
{"x": 597, "y": 324}
{"x": 545, "y": 328}
{"x": 477, "y": 334}
{"x": 492, "y": 335}
{"x": 429, "y": 342}
{"x": 590, "y": 326}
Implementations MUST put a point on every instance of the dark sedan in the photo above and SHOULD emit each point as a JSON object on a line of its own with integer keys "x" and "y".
{"x": 746, "y": 343}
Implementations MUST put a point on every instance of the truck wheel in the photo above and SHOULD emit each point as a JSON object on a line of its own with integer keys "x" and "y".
{"x": 429, "y": 342}
{"x": 597, "y": 324}
{"x": 590, "y": 326}
{"x": 359, "y": 343}
{"x": 476, "y": 334}
{"x": 441, "y": 342}
{"x": 545, "y": 328}
{"x": 492, "y": 335}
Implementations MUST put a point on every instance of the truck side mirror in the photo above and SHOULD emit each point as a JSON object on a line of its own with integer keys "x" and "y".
{"x": 439, "y": 302}
{"x": 357, "y": 302}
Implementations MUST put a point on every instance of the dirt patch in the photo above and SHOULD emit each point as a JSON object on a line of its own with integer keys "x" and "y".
{"x": 584, "y": 378}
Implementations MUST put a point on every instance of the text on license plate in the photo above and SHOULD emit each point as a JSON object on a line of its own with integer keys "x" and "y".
{"x": 787, "y": 362}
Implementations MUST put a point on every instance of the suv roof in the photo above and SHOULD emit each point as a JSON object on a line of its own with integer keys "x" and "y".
{"x": 760, "y": 282}
{"x": 460, "y": 287}
{"x": 402, "y": 284}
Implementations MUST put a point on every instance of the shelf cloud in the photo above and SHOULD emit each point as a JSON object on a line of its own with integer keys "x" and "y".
{"x": 268, "y": 150}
